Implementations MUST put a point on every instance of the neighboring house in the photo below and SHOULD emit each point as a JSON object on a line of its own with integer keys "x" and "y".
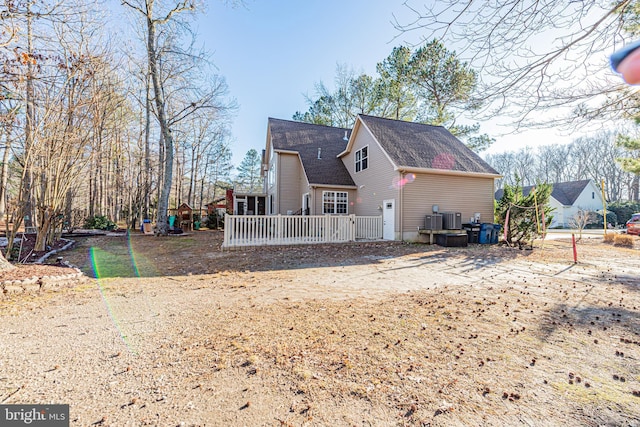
{"x": 396, "y": 169}
{"x": 568, "y": 198}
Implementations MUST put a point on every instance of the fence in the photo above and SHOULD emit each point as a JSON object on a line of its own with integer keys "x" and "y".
{"x": 257, "y": 230}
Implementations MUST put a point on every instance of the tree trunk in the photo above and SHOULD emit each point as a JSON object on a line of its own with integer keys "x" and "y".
{"x": 45, "y": 216}
{"x": 147, "y": 153}
{"x": 4, "y": 264}
{"x": 68, "y": 210}
{"x": 4, "y": 171}
{"x": 162, "y": 226}
{"x": 29, "y": 129}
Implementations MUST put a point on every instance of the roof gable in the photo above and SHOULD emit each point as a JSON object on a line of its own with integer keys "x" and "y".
{"x": 318, "y": 147}
{"x": 418, "y": 146}
{"x": 568, "y": 192}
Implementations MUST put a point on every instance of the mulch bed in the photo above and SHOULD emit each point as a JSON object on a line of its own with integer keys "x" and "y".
{"x": 26, "y": 266}
{"x": 26, "y": 251}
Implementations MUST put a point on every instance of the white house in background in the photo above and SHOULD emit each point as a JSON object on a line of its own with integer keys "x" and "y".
{"x": 568, "y": 198}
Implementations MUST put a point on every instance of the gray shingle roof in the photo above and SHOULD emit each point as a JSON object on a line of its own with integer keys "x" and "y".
{"x": 416, "y": 145}
{"x": 568, "y": 192}
{"x": 306, "y": 138}
{"x": 565, "y": 193}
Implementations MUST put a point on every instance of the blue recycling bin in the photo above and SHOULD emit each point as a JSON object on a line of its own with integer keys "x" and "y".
{"x": 495, "y": 234}
{"x": 486, "y": 230}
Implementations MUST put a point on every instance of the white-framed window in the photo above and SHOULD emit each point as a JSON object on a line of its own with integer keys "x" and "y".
{"x": 362, "y": 159}
{"x": 272, "y": 172}
{"x": 335, "y": 202}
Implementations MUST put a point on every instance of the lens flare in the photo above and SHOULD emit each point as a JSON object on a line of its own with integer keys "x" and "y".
{"x": 444, "y": 161}
{"x": 401, "y": 182}
{"x": 107, "y": 264}
{"x": 97, "y": 256}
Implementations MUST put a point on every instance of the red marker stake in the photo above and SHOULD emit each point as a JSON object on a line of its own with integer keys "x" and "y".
{"x": 575, "y": 250}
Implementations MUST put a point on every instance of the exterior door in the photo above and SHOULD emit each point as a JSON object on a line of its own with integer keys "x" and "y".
{"x": 305, "y": 204}
{"x": 389, "y": 219}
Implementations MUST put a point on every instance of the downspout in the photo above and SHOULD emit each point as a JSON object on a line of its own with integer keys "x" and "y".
{"x": 401, "y": 197}
{"x": 277, "y": 183}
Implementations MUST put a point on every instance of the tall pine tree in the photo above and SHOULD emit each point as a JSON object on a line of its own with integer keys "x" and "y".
{"x": 249, "y": 177}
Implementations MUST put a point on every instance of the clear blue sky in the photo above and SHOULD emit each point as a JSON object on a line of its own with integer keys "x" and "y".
{"x": 273, "y": 52}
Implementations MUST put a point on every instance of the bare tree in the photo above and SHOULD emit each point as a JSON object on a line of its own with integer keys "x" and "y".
{"x": 581, "y": 219}
{"x": 594, "y": 157}
{"x": 553, "y": 163}
{"x": 179, "y": 89}
{"x": 64, "y": 131}
{"x": 8, "y": 117}
{"x": 155, "y": 19}
{"x": 530, "y": 54}
{"x": 29, "y": 63}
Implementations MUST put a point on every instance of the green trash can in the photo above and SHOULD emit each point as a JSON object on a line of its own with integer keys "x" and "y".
{"x": 172, "y": 221}
{"x": 196, "y": 225}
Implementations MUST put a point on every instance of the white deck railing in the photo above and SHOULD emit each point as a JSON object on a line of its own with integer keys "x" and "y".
{"x": 257, "y": 230}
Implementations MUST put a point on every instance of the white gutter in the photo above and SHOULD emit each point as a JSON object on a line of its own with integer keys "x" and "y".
{"x": 406, "y": 169}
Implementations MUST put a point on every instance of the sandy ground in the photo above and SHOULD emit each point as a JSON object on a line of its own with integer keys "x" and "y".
{"x": 365, "y": 334}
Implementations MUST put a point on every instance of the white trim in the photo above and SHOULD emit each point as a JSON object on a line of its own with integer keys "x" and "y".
{"x": 306, "y": 198}
{"x": 341, "y": 187}
{"x": 335, "y": 202}
{"x": 405, "y": 169}
{"x": 356, "y": 129}
{"x": 356, "y": 161}
{"x": 277, "y": 150}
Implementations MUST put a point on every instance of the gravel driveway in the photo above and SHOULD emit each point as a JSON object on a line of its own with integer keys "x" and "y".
{"x": 173, "y": 349}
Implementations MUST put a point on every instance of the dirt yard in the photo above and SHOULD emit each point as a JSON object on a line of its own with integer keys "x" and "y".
{"x": 175, "y": 332}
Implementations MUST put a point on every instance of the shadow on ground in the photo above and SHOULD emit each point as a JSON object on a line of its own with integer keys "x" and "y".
{"x": 199, "y": 252}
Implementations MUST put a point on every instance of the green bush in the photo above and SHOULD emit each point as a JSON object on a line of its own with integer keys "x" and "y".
{"x": 214, "y": 221}
{"x": 623, "y": 210}
{"x": 99, "y": 222}
{"x": 522, "y": 226}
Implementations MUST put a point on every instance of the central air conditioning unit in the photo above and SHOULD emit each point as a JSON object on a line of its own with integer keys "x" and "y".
{"x": 433, "y": 222}
{"x": 452, "y": 220}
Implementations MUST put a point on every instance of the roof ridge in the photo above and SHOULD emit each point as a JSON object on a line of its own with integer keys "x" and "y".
{"x": 402, "y": 121}
{"x": 308, "y": 124}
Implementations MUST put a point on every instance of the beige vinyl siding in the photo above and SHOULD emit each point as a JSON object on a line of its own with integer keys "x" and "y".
{"x": 290, "y": 177}
{"x": 375, "y": 184}
{"x": 467, "y": 195}
{"x": 316, "y": 199}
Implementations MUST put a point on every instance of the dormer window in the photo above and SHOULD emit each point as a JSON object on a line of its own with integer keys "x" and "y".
{"x": 362, "y": 159}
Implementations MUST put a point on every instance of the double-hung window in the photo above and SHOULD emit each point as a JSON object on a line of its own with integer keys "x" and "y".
{"x": 362, "y": 159}
{"x": 335, "y": 202}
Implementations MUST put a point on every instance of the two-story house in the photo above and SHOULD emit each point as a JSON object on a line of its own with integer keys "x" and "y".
{"x": 400, "y": 170}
